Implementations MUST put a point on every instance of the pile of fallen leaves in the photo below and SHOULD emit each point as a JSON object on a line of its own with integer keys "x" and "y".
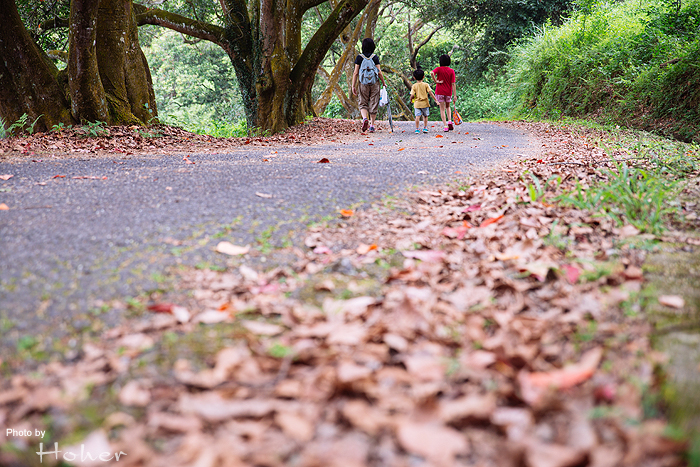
{"x": 157, "y": 139}
{"x": 480, "y": 328}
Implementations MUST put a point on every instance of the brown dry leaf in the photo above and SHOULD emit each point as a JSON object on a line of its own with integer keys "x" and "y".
{"x": 213, "y": 317}
{"x": 467, "y": 407}
{"x": 349, "y": 371}
{"x": 134, "y": 394}
{"x": 434, "y": 442}
{"x": 429, "y": 256}
{"x": 230, "y": 249}
{"x": 551, "y": 455}
{"x": 295, "y": 426}
{"x": 262, "y": 328}
{"x": 365, "y": 417}
{"x": 212, "y": 407}
{"x": 673, "y": 301}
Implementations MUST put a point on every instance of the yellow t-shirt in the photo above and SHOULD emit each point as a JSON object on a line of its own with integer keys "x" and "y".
{"x": 420, "y": 92}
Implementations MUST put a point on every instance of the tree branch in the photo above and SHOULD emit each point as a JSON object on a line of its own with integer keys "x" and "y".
{"x": 427, "y": 39}
{"x": 315, "y": 51}
{"x": 181, "y": 24}
{"x": 390, "y": 69}
{"x": 54, "y": 24}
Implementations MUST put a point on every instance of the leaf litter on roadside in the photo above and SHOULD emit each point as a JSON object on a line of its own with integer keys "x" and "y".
{"x": 496, "y": 345}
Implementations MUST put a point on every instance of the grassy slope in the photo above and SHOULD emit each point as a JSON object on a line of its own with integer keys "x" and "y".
{"x": 634, "y": 63}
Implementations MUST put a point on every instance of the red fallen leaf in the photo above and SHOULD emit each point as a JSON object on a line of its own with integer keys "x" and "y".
{"x": 438, "y": 146}
{"x": 371, "y": 144}
{"x": 493, "y": 220}
{"x": 572, "y": 273}
{"x": 540, "y": 161}
{"x": 347, "y": 212}
{"x": 4, "y": 207}
{"x": 457, "y": 232}
{"x": 473, "y": 207}
{"x": 401, "y": 149}
{"x": 59, "y": 176}
{"x": 246, "y": 141}
{"x": 534, "y": 386}
{"x": 458, "y": 172}
{"x": 324, "y": 161}
{"x": 161, "y": 307}
{"x": 438, "y": 136}
{"x": 266, "y": 160}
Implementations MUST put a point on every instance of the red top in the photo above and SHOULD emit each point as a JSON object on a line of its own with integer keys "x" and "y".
{"x": 447, "y": 76}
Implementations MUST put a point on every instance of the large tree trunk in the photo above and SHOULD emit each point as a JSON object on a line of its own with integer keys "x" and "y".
{"x": 108, "y": 77}
{"x": 86, "y": 91}
{"x": 122, "y": 66}
{"x": 28, "y": 83}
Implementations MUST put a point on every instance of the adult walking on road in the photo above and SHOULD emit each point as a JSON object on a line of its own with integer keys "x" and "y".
{"x": 368, "y": 73}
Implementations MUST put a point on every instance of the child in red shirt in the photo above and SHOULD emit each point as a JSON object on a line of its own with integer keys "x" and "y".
{"x": 445, "y": 89}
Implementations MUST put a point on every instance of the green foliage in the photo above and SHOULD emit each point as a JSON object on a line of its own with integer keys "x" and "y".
{"x": 194, "y": 84}
{"x": 635, "y": 63}
{"x": 488, "y": 98}
{"x": 498, "y": 24}
{"x": 630, "y": 195}
{"x": 22, "y": 125}
{"x": 95, "y": 129}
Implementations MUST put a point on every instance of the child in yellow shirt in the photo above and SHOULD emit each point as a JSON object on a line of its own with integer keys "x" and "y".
{"x": 419, "y": 96}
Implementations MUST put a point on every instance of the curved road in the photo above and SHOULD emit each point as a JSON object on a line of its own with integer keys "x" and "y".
{"x": 68, "y": 245}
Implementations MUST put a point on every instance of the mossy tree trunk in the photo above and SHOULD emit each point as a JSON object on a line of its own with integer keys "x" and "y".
{"x": 28, "y": 80}
{"x": 107, "y": 77}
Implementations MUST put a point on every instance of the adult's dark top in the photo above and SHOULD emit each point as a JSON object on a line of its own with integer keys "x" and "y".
{"x": 375, "y": 59}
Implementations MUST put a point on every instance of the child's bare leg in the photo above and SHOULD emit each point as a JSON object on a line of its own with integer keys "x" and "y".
{"x": 442, "y": 113}
{"x": 425, "y": 122}
{"x": 417, "y": 122}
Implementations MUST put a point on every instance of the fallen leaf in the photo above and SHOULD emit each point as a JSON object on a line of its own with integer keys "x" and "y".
{"x": 134, "y": 395}
{"x": 59, "y": 176}
{"x": 673, "y": 301}
{"x": 6, "y": 177}
{"x": 230, "y": 249}
{"x": 364, "y": 249}
{"x": 436, "y": 443}
{"x": 572, "y": 273}
{"x": 493, "y": 220}
{"x": 262, "y": 195}
{"x": 212, "y": 317}
{"x": 534, "y": 386}
{"x": 161, "y": 307}
{"x": 323, "y": 161}
{"x": 429, "y": 256}
{"x": 4, "y": 207}
{"x": 472, "y": 208}
{"x": 262, "y": 328}
{"x": 347, "y": 212}
{"x": 438, "y": 136}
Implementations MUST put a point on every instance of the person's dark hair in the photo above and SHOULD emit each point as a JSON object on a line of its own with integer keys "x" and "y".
{"x": 445, "y": 60}
{"x": 368, "y": 46}
{"x": 419, "y": 74}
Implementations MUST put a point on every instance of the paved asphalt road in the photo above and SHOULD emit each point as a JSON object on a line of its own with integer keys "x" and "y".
{"x": 66, "y": 244}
